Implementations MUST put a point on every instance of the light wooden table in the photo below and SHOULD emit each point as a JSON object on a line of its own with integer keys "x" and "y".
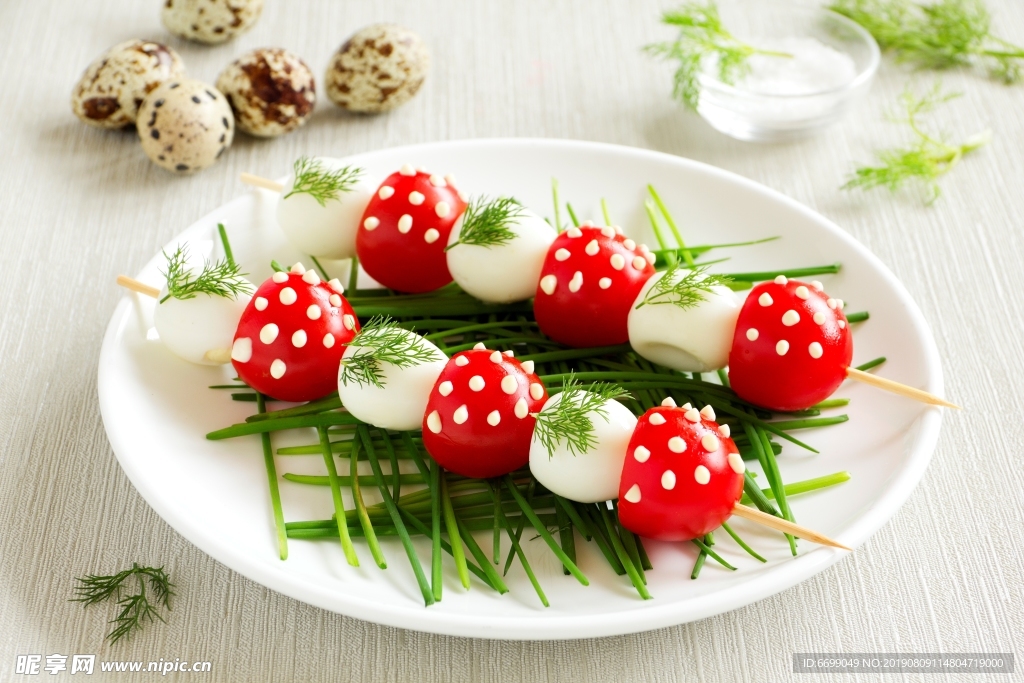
{"x": 80, "y": 205}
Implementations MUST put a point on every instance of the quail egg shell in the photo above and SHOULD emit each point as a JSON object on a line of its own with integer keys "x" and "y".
{"x": 112, "y": 89}
{"x": 210, "y": 21}
{"x": 379, "y": 68}
{"x": 185, "y": 125}
{"x": 271, "y": 91}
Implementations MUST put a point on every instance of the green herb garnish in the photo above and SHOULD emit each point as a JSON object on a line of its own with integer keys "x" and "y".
{"x": 313, "y": 178}
{"x": 571, "y": 418}
{"x": 486, "y": 222}
{"x": 926, "y": 159}
{"x": 135, "y": 608}
{"x": 217, "y": 278}
{"x": 382, "y": 340}
{"x": 702, "y": 41}
{"x": 686, "y": 291}
{"x": 945, "y": 34}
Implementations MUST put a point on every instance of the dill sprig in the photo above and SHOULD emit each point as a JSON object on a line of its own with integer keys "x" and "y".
{"x": 135, "y": 608}
{"x": 486, "y": 222}
{"x": 945, "y": 34}
{"x": 571, "y": 419}
{"x": 702, "y": 40}
{"x": 217, "y": 278}
{"x": 684, "y": 290}
{"x": 926, "y": 159}
{"x": 382, "y": 340}
{"x": 313, "y": 178}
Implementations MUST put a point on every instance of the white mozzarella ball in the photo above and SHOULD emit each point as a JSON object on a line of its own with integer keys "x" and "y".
{"x": 507, "y": 272}
{"x": 201, "y": 329}
{"x": 402, "y": 400}
{"x": 329, "y": 230}
{"x": 695, "y": 339}
{"x": 593, "y": 476}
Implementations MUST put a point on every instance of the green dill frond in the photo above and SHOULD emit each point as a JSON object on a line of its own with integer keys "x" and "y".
{"x": 571, "y": 418}
{"x": 313, "y": 178}
{"x": 942, "y": 35}
{"x": 703, "y": 40}
{"x": 486, "y": 222}
{"x": 217, "y": 278}
{"x": 926, "y": 159}
{"x": 382, "y": 340}
{"x": 684, "y": 290}
{"x": 135, "y": 608}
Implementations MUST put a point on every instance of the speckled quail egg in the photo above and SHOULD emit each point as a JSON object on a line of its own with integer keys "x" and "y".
{"x": 185, "y": 125}
{"x": 111, "y": 90}
{"x": 379, "y": 68}
{"x": 210, "y": 21}
{"x": 271, "y": 91}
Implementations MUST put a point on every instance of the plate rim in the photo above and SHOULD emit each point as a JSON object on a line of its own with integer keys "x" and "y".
{"x": 416, "y": 617}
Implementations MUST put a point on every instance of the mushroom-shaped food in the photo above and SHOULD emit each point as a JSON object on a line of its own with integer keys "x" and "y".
{"x": 271, "y": 91}
{"x": 109, "y": 93}
{"x": 378, "y": 68}
{"x": 684, "y": 319}
{"x": 405, "y": 229}
{"x": 683, "y": 474}
{"x": 321, "y": 205}
{"x": 479, "y": 419}
{"x": 580, "y": 441}
{"x": 496, "y": 250}
{"x": 199, "y": 307}
{"x": 185, "y": 125}
{"x": 791, "y": 347}
{"x": 590, "y": 279}
{"x": 291, "y": 336}
{"x": 386, "y": 375}
{"x": 210, "y": 21}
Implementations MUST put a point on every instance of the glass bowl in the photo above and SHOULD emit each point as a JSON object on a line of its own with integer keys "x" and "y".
{"x": 767, "y": 111}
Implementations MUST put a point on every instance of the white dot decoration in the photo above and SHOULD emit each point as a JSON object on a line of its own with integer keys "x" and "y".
{"x": 405, "y": 223}
{"x": 493, "y": 418}
{"x": 313, "y": 312}
{"x": 710, "y": 442}
{"x": 639, "y": 262}
{"x": 349, "y": 321}
{"x": 725, "y": 431}
{"x": 633, "y": 494}
{"x": 479, "y": 346}
{"x": 780, "y": 279}
{"x": 701, "y": 475}
{"x": 708, "y": 412}
{"x": 629, "y": 244}
{"x": 604, "y": 283}
{"x": 574, "y": 232}
{"x": 288, "y": 296}
{"x": 509, "y": 384}
{"x": 576, "y": 282}
{"x": 442, "y": 209}
{"x": 335, "y": 284}
{"x": 815, "y": 350}
{"x": 386, "y": 192}
{"x": 438, "y": 181}
{"x": 462, "y": 361}
{"x": 528, "y": 366}
{"x": 562, "y": 255}
{"x": 495, "y": 356}
{"x": 371, "y": 222}
{"x": 329, "y": 340}
{"x": 802, "y": 292}
{"x": 476, "y": 383}
{"x": 842, "y": 324}
{"x": 279, "y": 277}
{"x": 431, "y": 235}
{"x": 676, "y": 444}
{"x": 592, "y": 248}
{"x": 521, "y": 410}
{"x": 536, "y": 391}
{"x": 790, "y": 318}
{"x": 765, "y": 299}
{"x": 548, "y": 284}
{"x": 752, "y": 334}
{"x": 657, "y": 419}
{"x": 819, "y": 318}
{"x": 241, "y": 350}
{"x": 445, "y": 388}
{"x": 407, "y": 170}
{"x": 299, "y": 339}
{"x": 736, "y": 463}
{"x": 782, "y": 348}
{"x": 434, "y": 422}
{"x": 277, "y": 368}
{"x": 461, "y": 414}
{"x": 692, "y": 414}
{"x": 641, "y": 454}
{"x": 311, "y": 278}
{"x": 335, "y": 300}
{"x": 817, "y": 284}
{"x": 668, "y": 480}
{"x": 618, "y": 262}
{"x": 269, "y": 333}
{"x": 669, "y": 402}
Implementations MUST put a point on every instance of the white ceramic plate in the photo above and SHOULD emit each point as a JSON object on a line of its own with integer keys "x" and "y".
{"x": 157, "y": 409}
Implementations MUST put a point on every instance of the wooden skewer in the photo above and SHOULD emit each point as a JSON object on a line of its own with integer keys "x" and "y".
{"x": 136, "y": 286}
{"x": 265, "y": 183}
{"x": 897, "y": 388}
{"x": 785, "y": 526}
